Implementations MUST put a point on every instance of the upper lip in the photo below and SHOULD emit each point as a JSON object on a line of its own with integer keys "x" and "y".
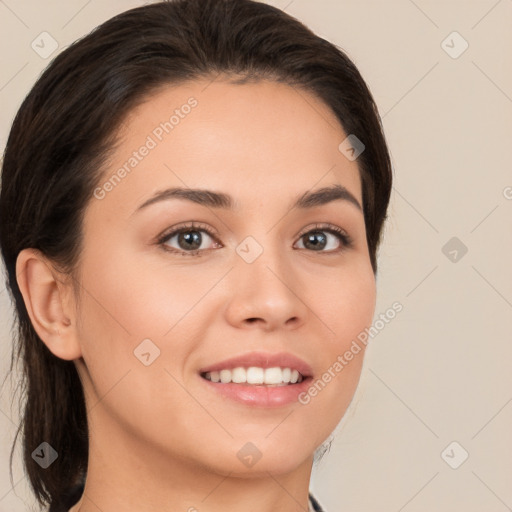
{"x": 262, "y": 360}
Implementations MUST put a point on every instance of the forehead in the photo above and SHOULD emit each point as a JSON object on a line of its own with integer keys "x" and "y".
{"x": 257, "y": 140}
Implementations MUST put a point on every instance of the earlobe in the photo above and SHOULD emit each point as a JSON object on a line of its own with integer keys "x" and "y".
{"x": 47, "y": 301}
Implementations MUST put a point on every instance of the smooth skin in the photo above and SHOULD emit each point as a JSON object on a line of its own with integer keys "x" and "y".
{"x": 160, "y": 438}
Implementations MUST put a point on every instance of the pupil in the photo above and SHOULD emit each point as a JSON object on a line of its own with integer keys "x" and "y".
{"x": 193, "y": 238}
{"x": 312, "y": 239}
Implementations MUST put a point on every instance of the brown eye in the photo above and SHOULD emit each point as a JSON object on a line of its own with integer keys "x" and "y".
{"x": 328, "y": 239}
{"x": 188, "y": 240}
{"x": 316, "y": 240}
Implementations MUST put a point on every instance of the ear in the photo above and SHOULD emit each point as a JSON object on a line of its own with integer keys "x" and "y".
{"x": 48, "y": 298}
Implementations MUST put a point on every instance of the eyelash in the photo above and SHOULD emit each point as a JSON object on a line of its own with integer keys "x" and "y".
{"x": 342, "y": 235}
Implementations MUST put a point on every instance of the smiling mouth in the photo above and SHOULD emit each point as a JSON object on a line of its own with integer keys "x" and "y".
{"x": 255, "y": 376}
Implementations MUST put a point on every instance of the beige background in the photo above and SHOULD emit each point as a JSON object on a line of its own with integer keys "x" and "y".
{"x": 440, "y": 371}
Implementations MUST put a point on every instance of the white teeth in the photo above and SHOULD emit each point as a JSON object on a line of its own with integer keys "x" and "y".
{"x": 225, "y": 376}
{"x": 273, "y": 376}
{"x": 255, "y": 375}
{"x": 238, "y": 375}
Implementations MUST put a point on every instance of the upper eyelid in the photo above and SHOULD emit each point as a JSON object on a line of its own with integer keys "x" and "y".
{"x": 193, "y": 225}
{"x": 212, "y": 232}
{"x": 319, "y": 226}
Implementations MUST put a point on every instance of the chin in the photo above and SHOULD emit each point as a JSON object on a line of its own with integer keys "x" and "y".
{"x": 260, "y": 456}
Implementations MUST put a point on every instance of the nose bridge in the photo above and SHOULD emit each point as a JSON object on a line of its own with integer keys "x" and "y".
{"x": 264, "y": 285}
{"x": 263, "y": 262}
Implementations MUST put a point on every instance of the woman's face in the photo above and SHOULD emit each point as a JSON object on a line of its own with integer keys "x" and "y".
{"x": 266, "y": 276}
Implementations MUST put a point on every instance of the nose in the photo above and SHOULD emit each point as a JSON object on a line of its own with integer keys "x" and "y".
{"x": 266, "y": 294}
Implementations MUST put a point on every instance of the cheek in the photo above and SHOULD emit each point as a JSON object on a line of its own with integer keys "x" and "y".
{"x": 346, "y": 307}
{"x": 140, "y": 299}
{"x": 124, "y": 316}
{"x": 124, "y": 303}
{"x": 346, "y": 303}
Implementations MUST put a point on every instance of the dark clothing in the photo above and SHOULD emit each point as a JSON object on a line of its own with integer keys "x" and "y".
{"x": 69, "y": 499}
{"x": 315, "y": 504}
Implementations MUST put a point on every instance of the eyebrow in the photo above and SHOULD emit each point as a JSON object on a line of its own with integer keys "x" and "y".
{"x": 213, "y": 199}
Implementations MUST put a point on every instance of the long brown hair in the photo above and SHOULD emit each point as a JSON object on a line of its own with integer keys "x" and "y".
{"x": 65, "y": 130}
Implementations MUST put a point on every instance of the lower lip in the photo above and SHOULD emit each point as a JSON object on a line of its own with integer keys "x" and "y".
{"x": 260, "y": 395}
